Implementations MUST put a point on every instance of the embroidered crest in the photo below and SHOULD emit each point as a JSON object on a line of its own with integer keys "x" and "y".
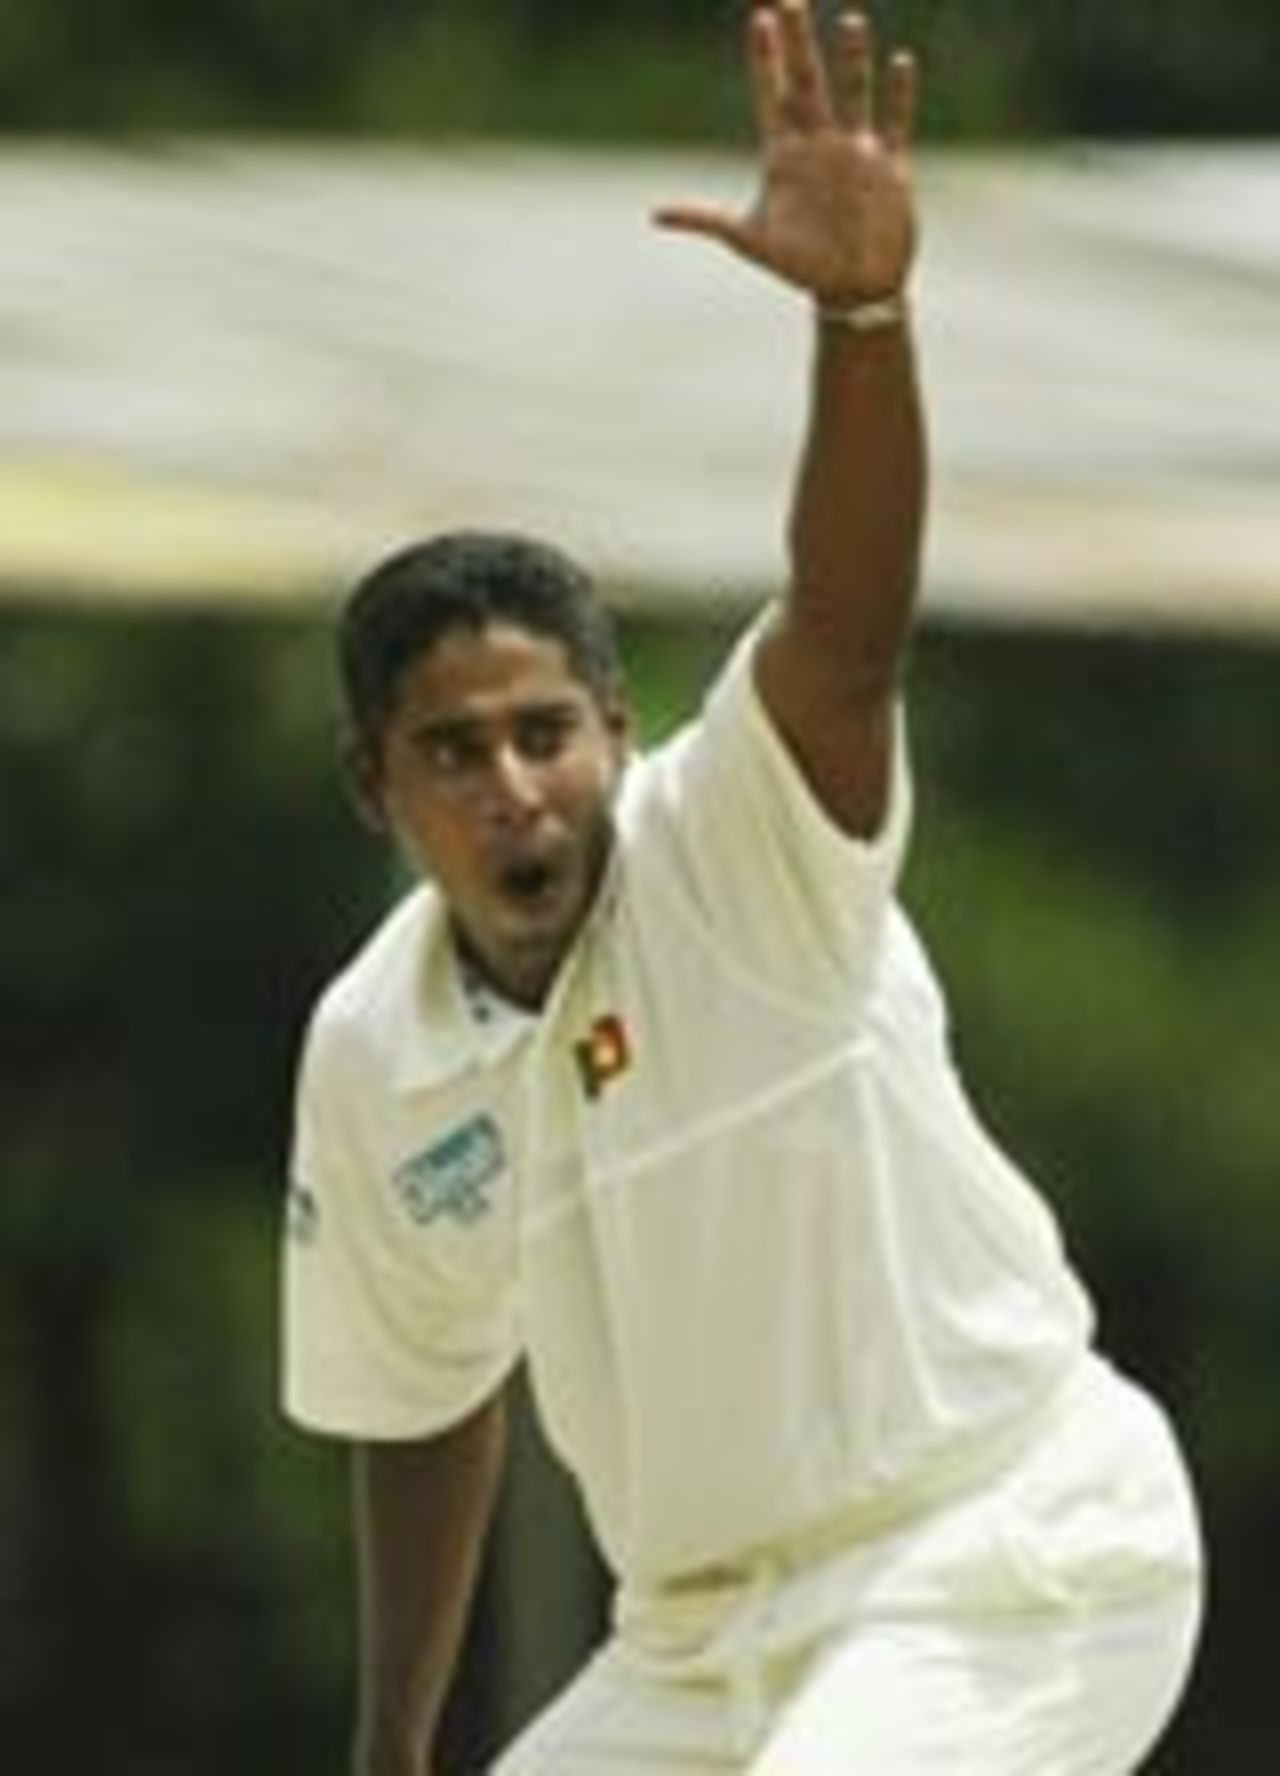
{"x": 603, "y": 1054}
{"x": 453, "y": 1179}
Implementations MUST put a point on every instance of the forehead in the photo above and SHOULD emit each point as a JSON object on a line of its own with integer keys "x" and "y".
{"x": 475, "y": 671}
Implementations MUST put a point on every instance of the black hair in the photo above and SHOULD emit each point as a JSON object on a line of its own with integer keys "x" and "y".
{"x": 466, "y": 580}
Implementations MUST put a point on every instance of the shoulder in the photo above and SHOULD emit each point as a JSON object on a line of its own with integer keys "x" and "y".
{"x": 730, "y": 718}
{"x": 734, "y": 766}
{"x": 365, "y": 1007}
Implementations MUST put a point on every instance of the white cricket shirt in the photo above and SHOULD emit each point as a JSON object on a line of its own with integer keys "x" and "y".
{"x": 725, "y": 1192}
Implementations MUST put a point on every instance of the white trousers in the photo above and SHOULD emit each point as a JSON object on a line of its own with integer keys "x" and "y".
{"x": 1071, "y": 1698}
{"x": 1044, "y": 1624}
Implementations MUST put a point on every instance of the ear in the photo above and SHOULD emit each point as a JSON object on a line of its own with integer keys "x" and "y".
{"x": 363, "y": 775}
{"x": 617, "y": 718}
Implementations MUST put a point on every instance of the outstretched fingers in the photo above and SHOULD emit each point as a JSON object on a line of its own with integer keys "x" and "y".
{"x": 793, "y": 90}
{"x": 854, "y": 66}
{"x": 807, "y": 99}
{"x": 902, "y": 89}
{"x": 768, "y": 70}
{"x": 803, "y": 102}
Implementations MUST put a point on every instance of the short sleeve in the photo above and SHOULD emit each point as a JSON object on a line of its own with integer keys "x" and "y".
{"x": 795, "y": 898}
{"x": 375, "y": 1343}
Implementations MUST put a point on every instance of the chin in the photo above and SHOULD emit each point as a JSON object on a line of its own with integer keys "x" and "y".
{"x": 532, "y": 961}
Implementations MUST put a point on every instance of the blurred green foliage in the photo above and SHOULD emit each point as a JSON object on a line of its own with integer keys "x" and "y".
{"x": 638, "y": 68}
{"x": 1096, "y": 865}
{"x": 176, "y": 867}
{"x": 1097, "y": 849}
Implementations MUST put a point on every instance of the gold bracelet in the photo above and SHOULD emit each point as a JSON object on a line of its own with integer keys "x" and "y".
{"x": 867, "y": 317}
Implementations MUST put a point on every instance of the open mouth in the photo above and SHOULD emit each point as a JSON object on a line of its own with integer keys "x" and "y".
{"x": 531, "y": 882}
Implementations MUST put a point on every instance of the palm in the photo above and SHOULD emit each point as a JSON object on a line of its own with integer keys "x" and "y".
{"x": 834, "y": 213}
{"x": 833, "y": 216}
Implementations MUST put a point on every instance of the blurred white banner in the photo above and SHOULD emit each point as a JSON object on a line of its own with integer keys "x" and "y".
{"x": 232, "y": 370}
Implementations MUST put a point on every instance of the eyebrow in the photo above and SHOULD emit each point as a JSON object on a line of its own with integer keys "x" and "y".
{"x": 444, "y": 727}
{"x": 454, "y": 725}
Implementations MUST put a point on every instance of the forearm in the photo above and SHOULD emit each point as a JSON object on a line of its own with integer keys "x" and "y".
{"x": 858, "y": 506}
{"x": 421, "y": 1511}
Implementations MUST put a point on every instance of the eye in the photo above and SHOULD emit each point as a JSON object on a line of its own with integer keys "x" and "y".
{"x": 543, "y": 733}
{"x": 449, "y": 752}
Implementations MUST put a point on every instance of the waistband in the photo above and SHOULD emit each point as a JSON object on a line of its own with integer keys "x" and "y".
{"x": 729, "y": 1621}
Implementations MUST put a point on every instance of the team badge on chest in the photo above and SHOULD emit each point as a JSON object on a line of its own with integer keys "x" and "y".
{"x": 603, "y": 1055}
{"x": 454, "y": 1178}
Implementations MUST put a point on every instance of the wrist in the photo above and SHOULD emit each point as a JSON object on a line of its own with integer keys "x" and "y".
{"x": 872, "y": 314}
{"x": 383, "y": 1751}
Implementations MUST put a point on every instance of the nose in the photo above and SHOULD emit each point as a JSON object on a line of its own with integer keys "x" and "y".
{"x": 515, "y": 787}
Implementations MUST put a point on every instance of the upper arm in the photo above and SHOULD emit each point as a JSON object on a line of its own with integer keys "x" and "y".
{"x": 837, "y": 723}
{"x": 391, "y": 1327}
{"x": 796, "y": 892}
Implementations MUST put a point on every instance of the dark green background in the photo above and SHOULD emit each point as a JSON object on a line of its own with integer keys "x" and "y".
{"x": 646, "y": 68}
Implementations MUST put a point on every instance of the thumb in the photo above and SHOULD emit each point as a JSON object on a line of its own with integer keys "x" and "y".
{"x": 699, "y": 219}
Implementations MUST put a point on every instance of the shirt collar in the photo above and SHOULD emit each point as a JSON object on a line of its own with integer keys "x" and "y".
{"x": 443, "y": 1024}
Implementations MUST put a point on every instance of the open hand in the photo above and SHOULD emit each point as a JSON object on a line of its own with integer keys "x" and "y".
{"x": 834, "y": 214}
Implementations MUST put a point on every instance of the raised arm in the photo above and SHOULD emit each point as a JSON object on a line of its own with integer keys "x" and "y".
{"x": 421, "y": 1511}
{"x": 834, "y": 217}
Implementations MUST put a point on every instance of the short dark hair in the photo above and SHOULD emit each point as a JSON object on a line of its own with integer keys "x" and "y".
{"x": 466, "y": 580}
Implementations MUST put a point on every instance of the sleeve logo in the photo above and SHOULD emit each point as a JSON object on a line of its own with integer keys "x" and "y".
{"x": 453, "y": 1179}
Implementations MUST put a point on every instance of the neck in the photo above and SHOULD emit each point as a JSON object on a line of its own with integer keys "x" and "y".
{"x": 526, "y": 986}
